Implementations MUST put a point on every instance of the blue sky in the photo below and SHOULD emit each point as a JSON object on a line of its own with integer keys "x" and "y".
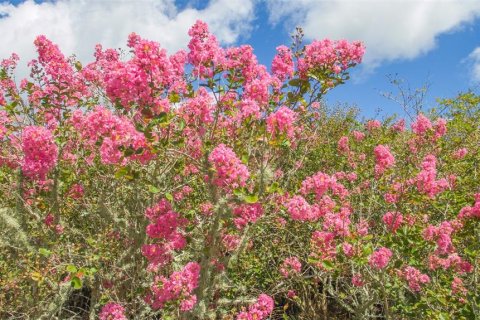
{"x": 434, "y": 41}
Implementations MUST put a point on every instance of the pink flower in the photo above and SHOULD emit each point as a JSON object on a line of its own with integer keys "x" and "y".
{"x": 384, "y": 159}
{"x": 373, "y": 125}
{"x": 230, "y": 242}
{"x": 393, "y": 220}
{"x": 40, "y": 152}
{"x": 291, "y": 294}
{"x": 348, "y": 249}
{"x": 247, "y": 213}
{"x": 299, "y": 209}
{"x": 458, "y": 287}
{"x": 415, "y": 278}
{"x": 426, "y": 180}
{"x": 205, "y": 51}
{"x": 342, "y": 145}
{"x": 357, "y": 280}
{"x": 421, "y": 125}
{"x": 323, "y": 245}
{"x": 290, "y": 266}
{"x": 440, "y": 128}
{"x": 460, "y": 153}
{"x": 359, "y": 136}
{"x": 399, "y": 126}
{"x": 319, "y": 183}
{"x": 334, "y": 55}
{"x": 282, "y": 122}
{"x": 178, "y": 287}
{"x": 259, "y": 310}
{"x": 380, "y": 258}
{"x": 230, "y": 172}
{"x": 112, "y": 311}
{"x": 282, "y": 65}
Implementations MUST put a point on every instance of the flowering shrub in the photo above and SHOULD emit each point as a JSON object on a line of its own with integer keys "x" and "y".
{"x": 201, "y": 185}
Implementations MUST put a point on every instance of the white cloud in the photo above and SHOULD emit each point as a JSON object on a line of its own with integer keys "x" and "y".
{"x": 391, "y": 29}
{"x": 77, "y": 25}
{"x": 474, "y": 57}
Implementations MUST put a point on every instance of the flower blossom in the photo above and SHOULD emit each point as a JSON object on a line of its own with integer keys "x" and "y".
{"x": 415, "y": 278}
{"x": 40, "y": 152}
{"x": 259, "y": 310}
{"x": 393, "y": 220}
{"x": 380, "y": 258}
{"x": 290, "y": 266}
{"x": 384, "y": 159}
{"x": 230, "y": 172}
{"x": 112, "y": 311}
{"x": 282, "y": 122}
{"x": 282, "y": 64}
{"x": 178, "y": 287}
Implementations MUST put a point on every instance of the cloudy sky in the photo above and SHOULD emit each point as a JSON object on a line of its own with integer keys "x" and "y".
{"x": 430, "y": 41}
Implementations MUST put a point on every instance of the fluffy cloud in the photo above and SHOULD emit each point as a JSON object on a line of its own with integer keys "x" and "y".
{"x": 77, "y": 25}
{"x": 391, "y": 29}
{"x": 474, "y": 57}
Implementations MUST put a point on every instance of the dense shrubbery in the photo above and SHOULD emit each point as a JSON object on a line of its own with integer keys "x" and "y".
{"x": 201, "y": 186}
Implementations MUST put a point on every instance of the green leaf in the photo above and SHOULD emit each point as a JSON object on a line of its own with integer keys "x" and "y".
{"x": 71, "y": 268}
{"x": 153, "y": 189}
{"x": 273, "y": 187}
{"x": 76, "y": 283}
{"x": 121, "y": 172}
{"x": 78, "y": 65}
{"x": 327, "y": 265}
{"x": 44, "y": 252}
{"x": 295, "y": 82}
{"x": 169, "y": 196}
{"x": 251, "y": 198}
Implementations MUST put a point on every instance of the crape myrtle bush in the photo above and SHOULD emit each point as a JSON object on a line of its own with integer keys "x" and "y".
{"x": 200, "y": 185}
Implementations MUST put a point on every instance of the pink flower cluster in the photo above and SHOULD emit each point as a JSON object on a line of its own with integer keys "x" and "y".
{"x": 112, "y": 311}
{"x": 342, "y": 145}
{"x": 451, "y": 261}
{"x": 357, "y": 280}
{"x": 460, "y": 153}
{"x": 299, "y": 209}
{"x": 40, "y": 152}
{"x": 230, "y": 172}
{"x": 205, "y": 52}
{"x": 178, "y": 287}
{"x": 142, "y": 80}
{"x": 247, "y": 213}
{"x": 384, "y": 159}
{"x": 320, "y": 183}
{"x": 457, "y": 287}
{"x": 471, "y": 211}
{"x": 290, "y": 265}
{"x": 282, "y": 122}
{"x": 62, "y": 85}
{"x": 282, "y": 64}
{"x": 393, "y": 220}
{"x": 422, "y": 125}
{"x": 426, "y": 180}
{"x": 259, "y": 310}
{"x": 323, "y": 245}
{"x": 414, "y": 278}
{"x": 334, "y": 56}
{"x": 442, "y": 235}
{"x": 380, "y": 258}
{"x": 372, "y": 125}
{"x": 116, "y": 133}
{"x": 4, "y": 120}
{"x": 199, "y": 109}
{"x": 166, "y": 227}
